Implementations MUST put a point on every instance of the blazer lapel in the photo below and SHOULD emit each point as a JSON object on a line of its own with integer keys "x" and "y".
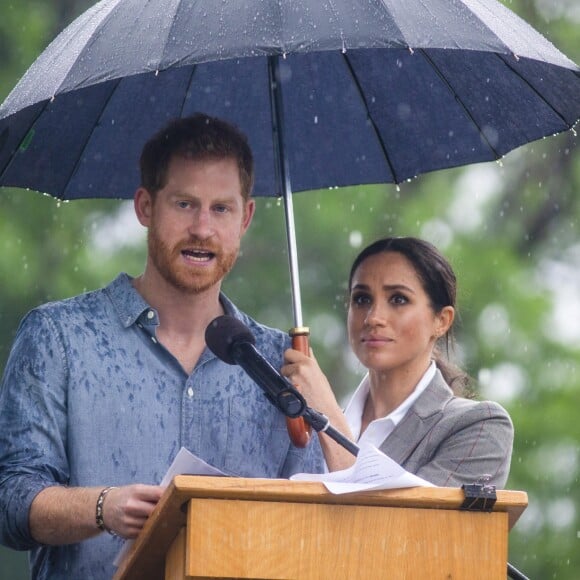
{"x": 418, "y": 421}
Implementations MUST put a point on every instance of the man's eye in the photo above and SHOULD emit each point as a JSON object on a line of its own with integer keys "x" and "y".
{"x": 183, "y": 204}
{"x": 221, "y": 208}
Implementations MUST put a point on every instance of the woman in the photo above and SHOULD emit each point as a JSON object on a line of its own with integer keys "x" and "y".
{"x": 411, "y": 404}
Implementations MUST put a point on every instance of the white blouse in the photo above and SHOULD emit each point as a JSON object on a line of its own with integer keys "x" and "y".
{"x": 379, "y": 429}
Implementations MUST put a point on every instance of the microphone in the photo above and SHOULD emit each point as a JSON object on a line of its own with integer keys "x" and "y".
{"x": 233, "y": 342}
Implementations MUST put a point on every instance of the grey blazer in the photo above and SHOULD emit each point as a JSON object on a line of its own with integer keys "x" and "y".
{"x": 450, "y": 441}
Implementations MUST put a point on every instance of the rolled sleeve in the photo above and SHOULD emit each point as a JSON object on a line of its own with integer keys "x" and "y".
{"x": 32, "y": 425}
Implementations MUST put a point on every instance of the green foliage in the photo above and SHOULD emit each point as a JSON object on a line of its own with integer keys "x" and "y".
{"x": 505, "y": 227}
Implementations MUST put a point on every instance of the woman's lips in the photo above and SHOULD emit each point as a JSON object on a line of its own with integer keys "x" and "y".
{"x": 376, "y": 340}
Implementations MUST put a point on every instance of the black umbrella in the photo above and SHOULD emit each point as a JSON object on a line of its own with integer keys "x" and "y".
{"x": 330, "y": 93}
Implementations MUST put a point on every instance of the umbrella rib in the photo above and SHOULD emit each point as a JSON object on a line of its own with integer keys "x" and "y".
{"x": 189, "y": 84}
{"x": 30, "y": 128}
{"x": 460, "y": 101}
{"x": 370, "y": 118}
{"x": 94, "y": 127}
{"x": 558, "y": 114}
{"x": 41, "y": 111}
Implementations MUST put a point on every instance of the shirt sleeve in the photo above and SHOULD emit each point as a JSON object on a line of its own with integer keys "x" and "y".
{"x": 32, "y": 424}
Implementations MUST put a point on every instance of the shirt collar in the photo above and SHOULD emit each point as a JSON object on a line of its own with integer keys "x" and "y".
{"x": 131, "y": 306}
{"x": 128, "y": 303}
{"x": 354, "y": 409}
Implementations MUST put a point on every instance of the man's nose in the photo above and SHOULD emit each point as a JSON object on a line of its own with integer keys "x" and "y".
{"x": 201, "y": 224}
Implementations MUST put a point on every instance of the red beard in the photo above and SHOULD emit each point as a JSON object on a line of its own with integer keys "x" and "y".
{"x": 170, "y": 264}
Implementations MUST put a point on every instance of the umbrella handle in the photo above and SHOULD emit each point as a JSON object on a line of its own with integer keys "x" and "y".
{"x": 298, "y": 429}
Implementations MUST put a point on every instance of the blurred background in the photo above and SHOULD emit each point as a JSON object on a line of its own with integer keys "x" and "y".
{"x": 511, "y": 229}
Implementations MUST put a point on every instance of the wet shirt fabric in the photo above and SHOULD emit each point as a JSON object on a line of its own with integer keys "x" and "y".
{"x": 90, "y": 398}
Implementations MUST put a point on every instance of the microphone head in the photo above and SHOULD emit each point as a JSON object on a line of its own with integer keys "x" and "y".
{"x": 223, "y": 332}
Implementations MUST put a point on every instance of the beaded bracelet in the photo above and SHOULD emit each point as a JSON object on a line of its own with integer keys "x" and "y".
{"x": 99, "y": 515}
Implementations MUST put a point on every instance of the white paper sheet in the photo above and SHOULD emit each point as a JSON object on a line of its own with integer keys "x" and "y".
{"x": 186, "y": 463}
{"x": 372, "y": 470}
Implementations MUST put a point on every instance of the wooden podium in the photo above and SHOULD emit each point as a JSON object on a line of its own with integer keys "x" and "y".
{"x": 222, "y": 527}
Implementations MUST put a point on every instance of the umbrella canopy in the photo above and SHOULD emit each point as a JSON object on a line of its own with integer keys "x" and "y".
{"x": 373, "y": 91}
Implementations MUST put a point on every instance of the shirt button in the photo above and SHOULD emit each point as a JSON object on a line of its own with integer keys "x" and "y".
{"x": 150, "y": 314}
{"x": 190, "y": 392}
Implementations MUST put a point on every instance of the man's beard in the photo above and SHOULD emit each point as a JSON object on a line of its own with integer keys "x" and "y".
{"x": 167, "y": 262}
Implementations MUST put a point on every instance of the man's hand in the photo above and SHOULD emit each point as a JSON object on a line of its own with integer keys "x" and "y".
{"x": 62, "y": 515}
{"x": 127, "y": 508}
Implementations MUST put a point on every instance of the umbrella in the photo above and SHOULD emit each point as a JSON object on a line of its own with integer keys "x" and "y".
{"x": 329, "y": 92}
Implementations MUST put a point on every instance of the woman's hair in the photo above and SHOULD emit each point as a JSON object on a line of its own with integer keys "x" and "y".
{"x": 440, "y": 284}
{"x": 198, "y": 137}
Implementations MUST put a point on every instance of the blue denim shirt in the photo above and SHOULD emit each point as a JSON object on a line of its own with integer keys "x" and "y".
{"x": 90, "y": 398}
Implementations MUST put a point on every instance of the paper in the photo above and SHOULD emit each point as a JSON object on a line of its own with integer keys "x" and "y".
{"x": 184, "y": 463}
{"x": 372, "y": 470}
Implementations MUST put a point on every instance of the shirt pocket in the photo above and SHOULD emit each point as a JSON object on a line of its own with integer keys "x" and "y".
{"x": 258, "y": 441}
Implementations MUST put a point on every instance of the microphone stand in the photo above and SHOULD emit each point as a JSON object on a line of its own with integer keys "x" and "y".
{"x": 320, "y": 422}
{"x": 282, "y": 393}
{"x": 291, "y": 403}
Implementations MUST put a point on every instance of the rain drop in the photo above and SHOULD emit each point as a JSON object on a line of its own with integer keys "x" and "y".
{"x": 355, "y": 239}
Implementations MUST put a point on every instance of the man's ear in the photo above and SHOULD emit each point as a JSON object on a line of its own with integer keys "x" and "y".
{"x": 143, "y": 204}
{"x": 249, "y": 210}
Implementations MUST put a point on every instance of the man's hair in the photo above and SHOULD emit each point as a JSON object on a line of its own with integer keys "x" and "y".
{"x": 199, "y": 137}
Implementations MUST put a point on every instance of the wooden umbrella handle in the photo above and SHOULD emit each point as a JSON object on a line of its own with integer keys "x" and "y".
{"x": 298, "y": 429}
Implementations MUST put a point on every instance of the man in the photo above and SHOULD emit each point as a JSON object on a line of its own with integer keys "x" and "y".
{"x": 101, "y": 390}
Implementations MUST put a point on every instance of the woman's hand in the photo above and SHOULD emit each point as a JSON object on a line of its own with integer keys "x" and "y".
{"x": 305, "y": 373}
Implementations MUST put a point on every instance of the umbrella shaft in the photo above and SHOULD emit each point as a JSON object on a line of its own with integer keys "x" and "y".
{"x": 283, "y": 175}
{"x": 293, "y": 259}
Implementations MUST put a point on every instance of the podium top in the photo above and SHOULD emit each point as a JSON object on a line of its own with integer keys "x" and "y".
{"x": 171, "y": 513}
